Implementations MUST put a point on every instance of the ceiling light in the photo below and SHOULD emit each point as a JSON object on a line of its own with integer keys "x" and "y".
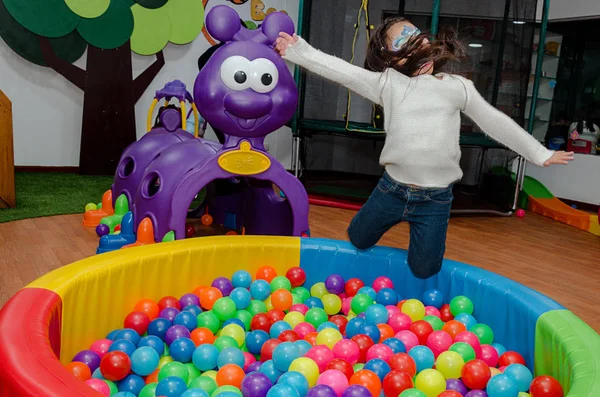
{"x": 475, "y": 45}
{"x": 519, "y": 22}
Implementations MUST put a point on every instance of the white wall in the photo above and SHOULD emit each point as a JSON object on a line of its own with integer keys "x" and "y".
{"x": 47, "y": 109}
{"x": 570, "y": 9}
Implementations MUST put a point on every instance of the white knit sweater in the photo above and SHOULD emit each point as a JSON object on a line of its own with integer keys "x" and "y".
{"x": 422, "y": 117}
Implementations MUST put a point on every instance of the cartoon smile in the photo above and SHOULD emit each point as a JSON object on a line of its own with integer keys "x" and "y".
{"x": 247, "y": 124}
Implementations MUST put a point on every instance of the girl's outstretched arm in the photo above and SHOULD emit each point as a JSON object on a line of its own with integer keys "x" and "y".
{"x": 364, "y": 82}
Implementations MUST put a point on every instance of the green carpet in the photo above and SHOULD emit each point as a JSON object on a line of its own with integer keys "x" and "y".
{"x": 44, "y": 194}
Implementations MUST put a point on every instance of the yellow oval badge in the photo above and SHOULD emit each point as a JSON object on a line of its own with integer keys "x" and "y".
{"x": 244, "y": 161}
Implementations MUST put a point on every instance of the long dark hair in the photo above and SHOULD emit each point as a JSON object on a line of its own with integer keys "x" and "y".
{"x": 446, "y": 47}
{"x": 584, "y": 120}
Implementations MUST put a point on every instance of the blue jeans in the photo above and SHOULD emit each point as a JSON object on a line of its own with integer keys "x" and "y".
{"x": 427, "y": 210}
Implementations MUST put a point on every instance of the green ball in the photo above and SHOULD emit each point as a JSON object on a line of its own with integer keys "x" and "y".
{"x": 91, "y": 207}
{"x": 412, "y": 393}
{"x": 166, "y": 350}
{"x": 296, "y": 299}
{"x": 224, "y": 308}
{"x": 209, "y": 320}
{"x": 316, "y": 316}
{"x": 203, "y": 382}
{"x": 464, "y": 349}
{"x": 435, "y": 322}
{"x": 484, "y": 333}
{"x": 280, "y": 282}
{"x": 358, "y": 366}
{"x": 302, "y": 292}
{"x": 148, "y": 391}
{"x": 193, "y": 372}
{"x": 461, "y": 304}
{"x": 256, "y": 307}
{"x": 223, "y": 342}
{"x": 99, "y": 205}
{"x": 245, "y": 317}
{"x": 226, "y": 388}
{"x": 174, "y": 368}
{"x": 360, "y": 303}
{"x": 112, "y": 386}
{"x": 244, "y": 348}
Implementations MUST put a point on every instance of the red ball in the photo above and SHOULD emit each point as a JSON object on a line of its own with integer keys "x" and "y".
{"x": 364, "y": 344}
{"x": 275, "y": 315}
{"x": 115, "y": 365}
{"x": 445, "y": 313}
{"x": 341, "y": 365}
{"x": 422, "y": 329}
{"x": 169, "y": 301}
{"x": 546, "y": 386}
{"x": 190, "y": 230}
{"x": 266, "y": 352}
{"x": 509, "y": 358}
{"x": 118, "y": 228}
{"x": 352, "y": 286}
{"x": 404, "y": 363}
{"x": 475, "y": 374}
{"x": 296, "y": 275}
{"x": 340, "y": 321}
{"x": 520, "y": 213}
{"x": 395, "y": 382}
{"x": 261, "y": 321}
{"x": 137, "y": 321}
{"x": 450, "y": 393}
{"x": 288, "y": 336}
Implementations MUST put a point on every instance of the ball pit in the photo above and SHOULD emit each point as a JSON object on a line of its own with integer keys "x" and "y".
{"x": 276, "y": 351}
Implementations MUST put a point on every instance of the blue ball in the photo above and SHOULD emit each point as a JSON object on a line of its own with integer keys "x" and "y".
{"x": 122, "y": 345}
{"x": 353, "y": 326}
{"x": 376, "y": 314}
{"x": 124, "y": 394}
{"x": 268, "y": 368}
{"x": 182, "y": 350}
{"x": 241, "y": 279}
{"x": 303, "y": 345}
{"x": 132, "y": 384}
{"x": 467, "y": 319}
{"x": 423, "y": 357}
{"x": 187, "y": 319}
{"x": 368, "y": 291}
{"x": 278, "y": 327}
{"x": 433, "y": 297}
{"x": 111, "y": 335}
{"x": 499, "y": 348}
{"x": 205, "y": 357}
{"x": 154, "y": 342}
{"x": 296, "y": 380}
{"x": 235, "y": 321}
{"x": 97, "y": 374}
{"x": 128, "y": 334}
{"x": 387, "y": 297}
{"x": 144, "y": 360}
{"x": 231, "y": 355}
{"x": 241, "y": 297}
{"x": 380, "y": 367}
{"x": 195, "y": 392}
{"x": 193, "y": 309}
{"x": 171, "y": 386}
{"x": 255, "y": 340}
{"x": 502, "y": 385}
{"x": 395, "y": 344}
{"x": 226, "y": 394}
{"x": 370, "y": 330}
{"x": 260, "y": 290}
{"x": 283, "y": 390}
{"x": 327, "y": 324}
{"x": 158, "y": 327}
{"x": 313, "y": 301}
{"x": 521, "y": 375}
{"x": 284, "y": 354}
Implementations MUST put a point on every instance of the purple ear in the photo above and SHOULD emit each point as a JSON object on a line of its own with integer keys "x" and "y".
{"x": 223, "y": 23}
{"x": 277, "y": 22}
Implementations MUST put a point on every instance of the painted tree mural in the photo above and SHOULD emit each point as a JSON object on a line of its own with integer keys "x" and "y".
{"x": 55, "y": 33}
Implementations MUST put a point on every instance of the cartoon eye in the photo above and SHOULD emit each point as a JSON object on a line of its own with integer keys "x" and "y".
{"x": 264, "y": 75}
{"x": 235, "y": 71}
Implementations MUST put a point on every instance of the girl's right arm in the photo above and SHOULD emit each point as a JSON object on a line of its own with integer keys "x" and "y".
{"x": 364, "y": 82}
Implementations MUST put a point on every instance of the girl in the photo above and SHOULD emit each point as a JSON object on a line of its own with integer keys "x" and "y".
{"x": 584, "y": 130}
{"x": 422, "y": 123}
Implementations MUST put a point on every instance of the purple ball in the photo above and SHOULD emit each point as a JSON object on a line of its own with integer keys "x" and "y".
{"x": 89, "y": 358}
{"x": 255, "y": 366}
{"x": 335, "y": 284}
{"x": 476, "y": 393}
{"x": 256, "y": 385}
{"x": 102, "y": 230}
{"x": 223, "y": 284}
{"x": 189, "y": 300}
{"x": 169, "y": 313}
{"x": 356, "y": 391}
{"x": 322, "y": 391}
{"x": 456, "y": 385}
{"x": 361, "y": 315}
{"x": 175, "y": 332}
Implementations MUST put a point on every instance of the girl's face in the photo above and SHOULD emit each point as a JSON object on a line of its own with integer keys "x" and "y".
{"x": 398, "y": 36}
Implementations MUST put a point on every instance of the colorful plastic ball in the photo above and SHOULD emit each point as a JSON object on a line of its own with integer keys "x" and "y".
{"x": 321, "y": 355}
{"x": 203, "y": 382}
{"x": 260, "y": 290}
{"x": 268, "y": 368}
{"x": 422, "y": 329}
{"x": 456, "y": 385}
{"x": 187, "y": 319}
{"x": 352, "y": 286}
{"x": 128, "y": 334}
{"x": 190, "y": 230}
{"x": 521, "y": 375}
{"x": 332, "y": 304}
{"x": 201, "y": 336}
{"x": 206, "y": 220}
{"x": 266, "y": 273}
{"x": 176, "y": 332}
{"x": 467, "y": 319}
{"x": 171, "y": 386}
{"x": 284, "y": 354}
{"x": 395, "y": 344}
{"x": 302, "y": 292}
{"x": 433, "y": 297}
{"x": 313, "y": 302}
{"x": 386, "y": 296}
{"x": 296, "y": 275}
{"x": 414, "y": 309}
{"x": 341, "y": 365}
{"x": 484, "y": 333}
{"x": 147, "y": 306}
{"x": 356, "y": 391}
{"x": 489, "y": 355}
{"x": 304, "y": 346}
{"x": 546, "y": 386}
{"x": 261, "y": 321}
{"x": 449, "y": 364}
{"x": 471, "y": 339}
{"x": 80, "y": 370}
{"x": 347, "y": 350}
{"x": 380, "y": 367}
{"x": 464, "y": 349}
{"x": 382, "y": 282}
{"x": 475, "y": 374}
{"x": 423, "y": 356}
{"x": 159, "y": 327}
{"x": 224, "y": 341}
{"x": 115, "y": 365}
{"x": 205, "y": 357}
{"x": 255, "y": 341}
{"x": 306, "y": 367}
{"x": 209, "y": 296}
{"x": 224, "y": 308}
{"x": 499, "y": 348}
{"x": 370, "y": 292}
{"x": 241, "y": 297}
{"x": 253, "y": 367}
{"x": 395, "y": 382}
{"x": 282, "y": 299}
{"x": 509, "y": 358}
{"x": 266, "y": 352}
{"x": 304, "y": 328}
{"x": 169, "y": 313}
{"x": 278, "y": 327}
{"x": 461, "y": 304}
{"x": 102, "y": 230}
{"x": 340, "y": 321}
{"x": 335, "y": 284}
{"x": 223, "y": 284}
{"x": 316, "y": 316}
{"x": 318, "y": 290}
{"x": 438, "y": 342}
{"x": 371, "y": 331}
{"x": 91, "y": 207}
{"x": 520, "y": 213}
{"x": 445, "y": 313}
{"x": 132, "y": 384}
{"x": 334, "y": 379}
{"x": 450, "y": 393}
{"x": 353, "y": 326}
{"x": 409, "y": 339}
{"x": 241, "y": 279}
{"x": 91, "y": 358}
{"x": 256, "y": 384}
{"x": 194, "y": 309}
{"x": 227, "y": 391}
{"x": 364, "y": 343}
{"x": 164, "y": 360}
{"x": 399, "y": 322}
{"x": 175, "y": 369}
{"x": 367, "y": 379}
{"x": 322, "y": 391}
{"x": 436, "y": 323}
{"x": 280, "y": 282}
{"x": 276, "y": 315}
{"x": 376, "y": 314}
{"x": 346, "y": 306}
{"x": 380, "y": 351}
{"x": 124, "y": 394}
{"x": 454, "y": 327}
{"x": 169, "y": 301}
{"x": 234, "y": 331}
{"x": 230, "y": 375}
{"x": 230, "y": 355}
{"x": 329, "y": 337}
{"x": 144, "y": 360}
{"x": 283, "y": 390}
{"x": 98, "y": 385}
{"x": 195, "y": 393}
{"x": 431, "y": 382}
{"x": 432, "y": 311}
{"x": 360, "y": 303}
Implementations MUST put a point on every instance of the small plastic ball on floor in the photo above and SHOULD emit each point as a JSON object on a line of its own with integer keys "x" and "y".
{"x": 206, "y": 220}
{"x": 190, "y": 230}
{"x": 520, "y": 213}
{"x": 91, "y": 207}
{"x": 102, "y": 230}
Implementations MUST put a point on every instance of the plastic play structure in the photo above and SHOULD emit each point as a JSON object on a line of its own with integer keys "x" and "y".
{"x": 169, "y": 176}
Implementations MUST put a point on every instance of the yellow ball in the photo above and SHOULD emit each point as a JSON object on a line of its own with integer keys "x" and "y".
{"x": 351, "y": 315}
{"x": 495, "y": 371}
{"x": 236, "y": 332}
{"x": 329, "y": 337}
{"x": 413, "y": 309}
{"x": 450, "y": 364}
{"x": 294, "y": 318}
{"x": 332, "y": 304}
{"x": 306, "y": 367}
{"x": 319, "y": 290}
{"x": 268, "y": 303}
{"x": 91, "y": 207}
{"x": 164, "y": 360}
{"x": 211, "y": 374}
{"x": 523, "y": 394}
{"x": 430, "y": 382}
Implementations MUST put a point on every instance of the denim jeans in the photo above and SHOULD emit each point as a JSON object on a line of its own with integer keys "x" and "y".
{"x": 427, "y": 210}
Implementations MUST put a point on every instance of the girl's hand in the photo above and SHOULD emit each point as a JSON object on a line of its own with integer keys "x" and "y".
{"x": 559, "y": 158}
{"x": 284, "y": 41}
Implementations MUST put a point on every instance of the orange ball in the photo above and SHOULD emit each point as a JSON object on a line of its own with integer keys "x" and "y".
{"x": 231, "y": 233}
{"x": 198, "y": 290}
{"x": 209, "y": 296}
{"x": 79, "y": 370}
{"x": 206, "y": 220}
{"x": 149, "y": 307}
{"x": 266, "y": 273}
{"x": 201, "y": 336}
{"x": 153, "y": 377}
{"x": 385, "y": 331}
{"x": 282, "y": 299}
{"x": 399, "y": 305}
{"x": 454, "y": 328}
{"x": 368, "y": 379}
{"x": 230, "y": 375}
{"x": 311, "y": 338}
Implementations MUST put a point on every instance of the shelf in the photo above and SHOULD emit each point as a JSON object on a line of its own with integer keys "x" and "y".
{"x": 540, "y": 98}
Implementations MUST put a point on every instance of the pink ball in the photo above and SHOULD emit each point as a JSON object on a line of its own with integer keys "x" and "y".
{"x": 432, "y": 311}
{"x": 346, "y": 305}
{"x": 399, "y": 322}
{"x": 304, "y": 329}
{"x": 392, "y": 310}
{"x": 490, "y": 355}
{"x": 439, "y": 342}
{"x": 409, "y": 339}
{"x": 381, "y": 351}
{"x": 382, "y": 282}
{"x": 342, "y": 296}
{"x": 299, "y": 307}
{"x": 501, "y": 369}
{"x": 101, "y": 347}
{"x": 321, "y": 355}
{"x": 335, "y": 379}
{"x": 520, "y": 213}
{"x": 98, "y": 385}
{"x": 348, "y": 350}
{"x": 249, "y": 359}
{"x": 471, "y": 339}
